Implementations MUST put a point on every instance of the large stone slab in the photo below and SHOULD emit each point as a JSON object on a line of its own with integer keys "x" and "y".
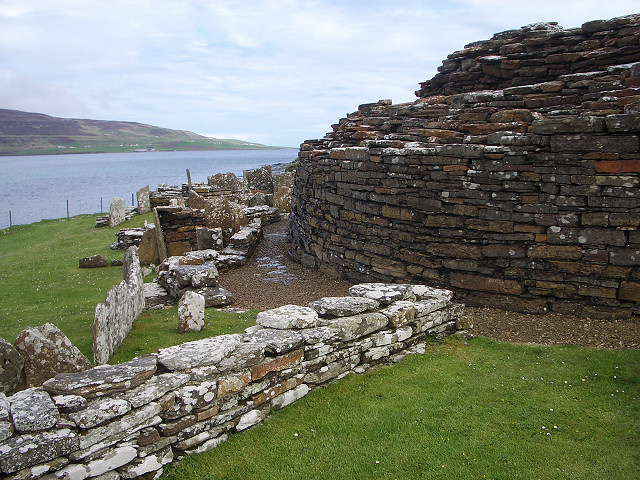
{"x": 105, "y": 379}
{"x": 99, "y": 411}
{"x": 190, "y": 312}
{"x": 155, "y": 388}
{"x": 22, "y": 451}
{"x": 343, "y": 306}
{"x": 216, "y": 296}
{"x": 117, "y": 212}
{"x": 47, "y": 352}
{"x": 148, "y": 247}
{"x": 32, "y": 410}
{"x": 144, "y": 201}
{"x": 11, "y": 365}
{"x": 384, "y": 293}
{"x": 208, "y": 351}
{"x": 287, "y": 317}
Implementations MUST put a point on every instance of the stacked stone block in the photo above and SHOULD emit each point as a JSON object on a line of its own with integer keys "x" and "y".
{"x": 129, "y": 420}
{"x": 513, "y": 179}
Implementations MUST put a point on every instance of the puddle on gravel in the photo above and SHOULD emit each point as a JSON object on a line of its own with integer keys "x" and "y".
{"x": 277, "y": 272}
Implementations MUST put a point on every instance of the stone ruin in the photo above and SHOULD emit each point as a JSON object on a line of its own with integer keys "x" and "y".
{"x": 129, "y": 420}
{"x": 513, "y": 178}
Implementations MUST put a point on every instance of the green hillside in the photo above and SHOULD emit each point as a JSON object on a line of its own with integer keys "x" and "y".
{"x": 23, "y": 133}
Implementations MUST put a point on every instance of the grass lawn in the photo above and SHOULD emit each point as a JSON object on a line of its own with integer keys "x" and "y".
{"x": 483, "y": 410}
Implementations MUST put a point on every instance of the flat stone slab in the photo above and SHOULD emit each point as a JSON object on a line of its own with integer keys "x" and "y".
{"x": 343, "y": 306}
{"x": 399, "y": 313}
{"x": 11, "y": 365}
{"x": 22, "y": 451}
{"x": 155, "y": 296}
{"x": 287, "y": 317}
{"x": 216, "y": 296}
{"x": 424, "y": 292}
{"x": 105, "y": 379}
{"x": 384, "y": 293}
{"x": 207, "y": 351}
{"x": 350, "y": 328}
{"x": 155, "y": 388}
{"x": 32, "y": 410}
{"x": 276, "y": 341}
{"x": 100, "y": 411}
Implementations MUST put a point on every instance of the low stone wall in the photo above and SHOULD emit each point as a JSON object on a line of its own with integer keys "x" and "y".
{"x": 114, "y": 317}
{"x": 129, "y": 420}
{"x": 513, "y": 179}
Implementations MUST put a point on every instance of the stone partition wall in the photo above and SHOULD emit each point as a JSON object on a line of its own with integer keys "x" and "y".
{"x": 129, "y": 420}
{"x": 114, "y": 318}
{"x": 513, "y": 178}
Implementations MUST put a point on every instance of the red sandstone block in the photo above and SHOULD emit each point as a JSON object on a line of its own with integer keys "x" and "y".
{"x": 618, "y": 166}
{"x": 503, "y": 251}
{"x": 277, "y": 364}
{"x": 555, "y": 252}
{"x": 629, "y": 291}
{"x": 486, "y": 284}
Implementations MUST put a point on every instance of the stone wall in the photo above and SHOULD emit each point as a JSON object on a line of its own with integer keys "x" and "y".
{"x": 114, "y": 317}
{"x": 514, "y": 178}
{"x": 129, "y": 420}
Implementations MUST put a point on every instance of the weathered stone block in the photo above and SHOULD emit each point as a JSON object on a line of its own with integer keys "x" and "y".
{"x": 190, "y": 312}
{"x": 343, "y": 306}
{"x": 95, "y": 261}
{"x": 288, "y": 316}
{"x": 486, "y": 284}
{"x": 11, "y": 367}
{"x": 208, "y": 351}
{"x": 22, "y": 451}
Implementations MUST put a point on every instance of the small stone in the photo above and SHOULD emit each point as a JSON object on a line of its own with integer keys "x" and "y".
{"x": 69, "y": 403}
{"x": 288, "y": 316}
{"x": 95, "y": 261}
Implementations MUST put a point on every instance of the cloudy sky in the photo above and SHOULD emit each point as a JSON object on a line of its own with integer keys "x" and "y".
{"x": 269, "y": 71}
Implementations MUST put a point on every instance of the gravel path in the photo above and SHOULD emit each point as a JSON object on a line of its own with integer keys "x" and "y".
{"x": 271, "y": 279}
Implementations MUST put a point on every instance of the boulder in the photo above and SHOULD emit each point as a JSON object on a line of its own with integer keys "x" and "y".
{"x": 11, "y": 365}
{"x": 47, "y": 352}
{"x": 117, "y": 212}
{"x": 191, "y": 312}
{"x": 95, "y": 261}
{"x": 288, "y": 316}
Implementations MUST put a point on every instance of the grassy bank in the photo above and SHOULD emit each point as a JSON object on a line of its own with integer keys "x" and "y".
{"x": 483, "y": 410}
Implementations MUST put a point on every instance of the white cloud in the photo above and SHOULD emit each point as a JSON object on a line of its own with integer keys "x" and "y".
{"x": 278, "y": 72}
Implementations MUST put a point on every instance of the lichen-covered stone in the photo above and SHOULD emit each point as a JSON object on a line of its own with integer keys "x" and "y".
{"x": 155, "y": 388}
{"x": 287, "y": 317}
{"x": 287, "y": 398}
{"x": 150, "y": 463}
{"x": 208, "y": 351}
{"x": 117, "y": 213}
{"x": 399, "y": 313}
{"x": 356, "y": 326}
{"x": 105, "y": 379}
{"x": 190, "y": 312}
{"x": 343, "y": 306}
{"x": 99, "y": 411}
{"x": 47, "y": 351}
{"x": 22, "y": 451}
{"x": 384, "y": 293}
{"x": 69, "y": 403}
{"x": 33, "y": 410}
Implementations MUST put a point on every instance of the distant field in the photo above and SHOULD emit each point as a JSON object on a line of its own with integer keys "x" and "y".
{"x": 23, "y": 133}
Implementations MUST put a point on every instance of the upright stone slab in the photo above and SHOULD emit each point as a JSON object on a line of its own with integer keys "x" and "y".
{"x": 217, "y": 213}
{"x": 260, "y": 179}
{"x": 47, "y": 352}
{"x": 11, "y": 365}
{"x": 117, "y": 212}
{"x": 162, "y": 246}
{"x": 148, "y": 247}
{"x": 144, "y": 202}
{"x": 191, "y": 312}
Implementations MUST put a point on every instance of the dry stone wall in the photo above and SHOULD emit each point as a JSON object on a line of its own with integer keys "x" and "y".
{"x": 514, "y": 178}
{"x": 114, "y": 318}
{"x": 129, "y": 420}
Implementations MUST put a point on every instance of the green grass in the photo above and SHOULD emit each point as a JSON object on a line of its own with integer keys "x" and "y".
{"x": 40, "y": 282}
{"x": 486, "y": 410}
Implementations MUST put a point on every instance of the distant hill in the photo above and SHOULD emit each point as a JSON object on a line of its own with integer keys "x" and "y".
{"x": 23, "y": 133}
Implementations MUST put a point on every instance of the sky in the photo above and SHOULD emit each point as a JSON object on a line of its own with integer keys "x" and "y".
{"x": 276, "y": 72}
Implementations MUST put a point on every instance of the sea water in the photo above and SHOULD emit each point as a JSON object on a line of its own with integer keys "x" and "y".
{"x": 36, "y": 187}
